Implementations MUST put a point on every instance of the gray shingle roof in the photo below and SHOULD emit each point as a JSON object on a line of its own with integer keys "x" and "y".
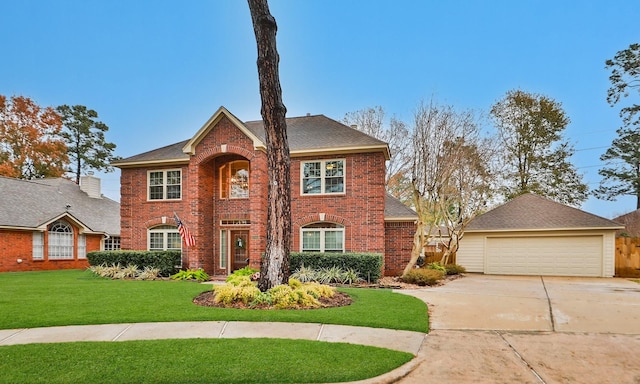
{"x": 30, "y": 204}
{"x": 533, "y": 212}
{"x": 318, "y": 132}
{"x": 304, "y": 133}
{"x": 395, "y": 210}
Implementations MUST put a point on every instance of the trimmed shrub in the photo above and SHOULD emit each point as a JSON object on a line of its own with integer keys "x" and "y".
{"x": 423, "y": 276}
{"x": 367, "y": 265}
{"x": 455, "y": 269}
{"x": 165, "y": 261}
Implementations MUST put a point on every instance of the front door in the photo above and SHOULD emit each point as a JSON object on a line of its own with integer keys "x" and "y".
{"x": 239, "y": 249}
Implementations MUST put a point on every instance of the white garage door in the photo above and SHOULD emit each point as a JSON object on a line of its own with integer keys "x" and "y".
{"x": 548, "y": 255}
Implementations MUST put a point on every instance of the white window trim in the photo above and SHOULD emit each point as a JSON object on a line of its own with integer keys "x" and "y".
{"x": 82, "y": 246}
{"x": 60, "y": 243}
{"x": 164, "y": 184}
{"x": 38, "y": 246}
{"x": 165, "y": 238}
{"x": 322, "y": 178}
{"x": 322, "y": 237}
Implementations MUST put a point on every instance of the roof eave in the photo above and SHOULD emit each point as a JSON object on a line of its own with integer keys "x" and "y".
{"x": 401, "y": 219}
{"x": 342, "y": 150}
{"x": 163, "y": 162}
{"x": 503, "y": 230}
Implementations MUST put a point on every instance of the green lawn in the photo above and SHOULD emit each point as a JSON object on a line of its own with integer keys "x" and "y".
{"x": 40, "y": 299}
{"x": 196, "y": 361}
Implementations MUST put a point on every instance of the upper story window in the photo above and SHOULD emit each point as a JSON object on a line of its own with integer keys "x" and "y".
{"x": 322, "y": 177}
{"x": 165, "y": 185}
{"x": 322, "y": 237}
{"x": 234, "y": 180}
{"x": 164, "y": 237}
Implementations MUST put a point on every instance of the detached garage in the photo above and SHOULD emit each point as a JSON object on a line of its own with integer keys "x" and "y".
{"x": 531, "y": 235}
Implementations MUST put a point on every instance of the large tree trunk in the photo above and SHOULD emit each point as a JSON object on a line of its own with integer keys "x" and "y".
{"x": 274, "y": 269}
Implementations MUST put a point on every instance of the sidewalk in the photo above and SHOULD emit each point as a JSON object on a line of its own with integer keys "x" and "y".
{"x": 405, "y": 341}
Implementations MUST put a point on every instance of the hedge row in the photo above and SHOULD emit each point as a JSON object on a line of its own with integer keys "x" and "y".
{"x": 367, "y": 265}
{"x": 166, "y": 261}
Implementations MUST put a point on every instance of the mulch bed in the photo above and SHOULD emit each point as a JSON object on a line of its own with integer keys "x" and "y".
{"x": 340, "y": 299}
{"x": 205, "y": 299}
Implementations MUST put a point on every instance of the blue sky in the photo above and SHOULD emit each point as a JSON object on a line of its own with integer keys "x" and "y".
{"x": 156, "y": 70}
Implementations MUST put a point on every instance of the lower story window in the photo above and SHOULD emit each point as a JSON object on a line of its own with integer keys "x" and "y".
{"x": 164, "y": 237}
{"x": 112, "y": 243}
{"x": 82, "y": 247}
{"x": 60, "y": 241}
{"x": 38, "y": 246}
{"x": 322, "y": 237}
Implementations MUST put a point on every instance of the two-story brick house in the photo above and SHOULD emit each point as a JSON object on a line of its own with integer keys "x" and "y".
{"x": 216, "y": 182}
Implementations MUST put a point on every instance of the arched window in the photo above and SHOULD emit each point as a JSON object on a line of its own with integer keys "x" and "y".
{"x": 60, "y": 240}
{"x": 234, "y": 180}
{"x": 322, "y": 237}
{"x": 164, "y": 237}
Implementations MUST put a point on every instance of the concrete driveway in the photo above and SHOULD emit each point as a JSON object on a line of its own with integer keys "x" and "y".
{"x": 530, "y": 329}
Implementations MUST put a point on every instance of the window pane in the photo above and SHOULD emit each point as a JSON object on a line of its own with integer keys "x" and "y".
{"x": 311, "y": 186}
{"x": 173, "y": 192}
{"x": 334, "y": 185}
{"x": 223, "y": 249}
{"x": 333, "y": 241}
{"x": 240, "y": 179}
{"x": 156, "y": 193}
{"x": 156, "y": 240}
{"x": 156, "y": 178}
{"x": 174, "y": 241}
{"x": 312, "y": 169}
{"x": 334, "y": 168}
{"x": 311, "y": 241}
{"x": 173, "y": 177}
{"x": 38, "y": 246}
{"x": 82, "y": 247}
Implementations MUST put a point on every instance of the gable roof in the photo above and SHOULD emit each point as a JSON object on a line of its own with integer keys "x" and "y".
{"x": 315, "y": 134}
{"x": 33, "y": 204}
{"x": 532, "y": 212}
{"x": 631, "y": 222}
{"x": 394, "y": 210}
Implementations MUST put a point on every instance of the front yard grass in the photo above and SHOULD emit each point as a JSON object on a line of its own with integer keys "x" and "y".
{"x": 196, "y": 361}
{"x": 54, "y": 298}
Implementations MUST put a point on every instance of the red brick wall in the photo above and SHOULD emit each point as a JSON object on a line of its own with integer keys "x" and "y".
{"x": 16, "y": 245}
{"x": 360, "y": 209}
{"x": 398, "y": 244}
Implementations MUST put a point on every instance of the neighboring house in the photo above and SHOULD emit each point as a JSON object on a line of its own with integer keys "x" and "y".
{"x": 52, "y": 223}
{"x": 631, "y": 222}
{"x": 216, "y": 183}
{"x": 531, "y": 235}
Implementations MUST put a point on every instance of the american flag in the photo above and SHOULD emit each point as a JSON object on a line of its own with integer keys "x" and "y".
{"x": 186, "y": 236}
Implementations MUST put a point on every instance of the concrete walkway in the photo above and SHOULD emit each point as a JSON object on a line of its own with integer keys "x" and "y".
{"x": 405, "y": 341}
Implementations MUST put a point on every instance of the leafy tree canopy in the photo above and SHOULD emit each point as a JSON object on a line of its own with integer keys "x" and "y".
{"x": 30, "y": 146}
{"x": 536, "y": 156}
{"x": 621, "y": 173}
{"x": 84, "y": 137}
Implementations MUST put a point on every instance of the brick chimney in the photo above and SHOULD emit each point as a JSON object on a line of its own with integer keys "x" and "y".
{"x": 90, "y": 185}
